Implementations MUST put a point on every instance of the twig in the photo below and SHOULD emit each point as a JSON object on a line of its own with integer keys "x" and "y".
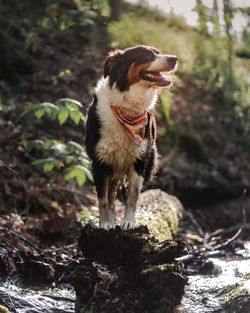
{"x": 22, "y": 181}
{"x": 25, "y": 240}
{"x": 190, "y": 257}
{"x": 236, "y": 235}
{"x": 194, "y": 221}
{"x": 73, "y": 245}
{"x": 215, "y": 251}
{"x": 9, "y": 168}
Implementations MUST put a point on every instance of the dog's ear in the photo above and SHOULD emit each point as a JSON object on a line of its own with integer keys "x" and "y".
{"x": 116, "y": 68}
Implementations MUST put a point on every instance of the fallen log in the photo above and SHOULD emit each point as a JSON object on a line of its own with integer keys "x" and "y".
{"x": 132, "y": 271}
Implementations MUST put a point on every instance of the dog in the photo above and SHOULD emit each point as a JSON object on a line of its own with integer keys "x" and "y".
{"x": 121, "y": 129}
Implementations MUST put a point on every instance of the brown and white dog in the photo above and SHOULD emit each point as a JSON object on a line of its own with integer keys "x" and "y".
{"x": 130, "y": 87}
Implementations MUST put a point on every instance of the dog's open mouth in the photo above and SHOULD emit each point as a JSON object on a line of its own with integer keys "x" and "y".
{"x": 156, "y": 77}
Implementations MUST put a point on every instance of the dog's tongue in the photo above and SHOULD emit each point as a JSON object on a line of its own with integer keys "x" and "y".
{"x": 166, "y": 78}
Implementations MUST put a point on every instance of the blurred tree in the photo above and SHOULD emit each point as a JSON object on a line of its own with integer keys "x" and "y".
{"x": 215, "y": 19}
{"x": 202, "y": 12}
{"x": 228, "y": 15}
{"x": 116, "y": 7}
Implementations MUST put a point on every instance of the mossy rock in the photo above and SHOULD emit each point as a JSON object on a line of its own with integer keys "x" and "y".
{"x": 236, "y": 298}
{"x": 161, "y": 212}
{"x": 3, "y": 309}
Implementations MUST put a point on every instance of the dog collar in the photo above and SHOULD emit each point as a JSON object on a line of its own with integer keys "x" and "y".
{"x": 134, "y": 125}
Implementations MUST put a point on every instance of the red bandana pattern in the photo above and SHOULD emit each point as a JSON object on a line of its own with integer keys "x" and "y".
{"x": 134, "y": 125}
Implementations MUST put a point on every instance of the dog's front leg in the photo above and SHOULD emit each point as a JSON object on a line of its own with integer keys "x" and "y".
{"x": 135, "y": 184}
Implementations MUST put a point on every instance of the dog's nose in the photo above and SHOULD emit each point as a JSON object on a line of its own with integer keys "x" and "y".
{"x": 172, "y": 59}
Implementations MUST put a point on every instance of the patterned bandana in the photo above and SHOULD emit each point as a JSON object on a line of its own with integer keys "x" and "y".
{"x": 134, "y": 125}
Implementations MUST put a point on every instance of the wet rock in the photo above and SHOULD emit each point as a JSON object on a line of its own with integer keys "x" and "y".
{"x": 236, "y": 298}
{"x": 127, "y": 271}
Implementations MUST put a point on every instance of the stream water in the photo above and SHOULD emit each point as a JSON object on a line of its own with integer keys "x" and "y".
{"x": 204, "y": 294}
{"x": 59, "y": 299}
{"x": 207, "y": 293}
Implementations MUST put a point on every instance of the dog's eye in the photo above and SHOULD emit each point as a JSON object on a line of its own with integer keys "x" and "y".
{"x": 155, "y": 51}
{"x": 149, "y": 55}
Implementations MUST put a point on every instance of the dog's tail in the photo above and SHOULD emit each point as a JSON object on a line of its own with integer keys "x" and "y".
{"x": 122, "y": 190}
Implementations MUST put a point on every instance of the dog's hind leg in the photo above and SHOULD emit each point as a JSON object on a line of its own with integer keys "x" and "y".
{"x": 135, "y": 182}
{"x": 112, "y": 189}
{"x": 102, "y": 179}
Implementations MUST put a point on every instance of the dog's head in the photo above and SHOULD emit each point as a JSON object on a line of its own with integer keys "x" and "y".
{"x": 140, "y": 64}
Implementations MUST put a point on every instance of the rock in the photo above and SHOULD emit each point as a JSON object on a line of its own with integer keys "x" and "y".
{"x": 161, "y": 212}
{"x": 236, "y": 298}
{"x": 3, "y": 309}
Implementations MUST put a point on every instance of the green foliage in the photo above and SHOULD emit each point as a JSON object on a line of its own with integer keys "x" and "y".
{"x": 58, "y": 18}
{"x": 202, "y": 12}
{"x": 168, "y": 36}
{"x": 30, "y": 29}
{"x": 219, "y": 78}
{"x": 62, "y": 110}
{"x": 70, "y": 156}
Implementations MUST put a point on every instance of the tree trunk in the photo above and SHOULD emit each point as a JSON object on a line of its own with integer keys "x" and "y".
{"x": 115, "y": 9}
{"x": 228, "y": 23}
{"x": 133, "y": 272}
{"x": 202, "y": 17}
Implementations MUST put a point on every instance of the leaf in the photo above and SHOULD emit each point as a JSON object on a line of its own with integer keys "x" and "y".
{"x": 70, "y": 159}
{"x": 63, "y": 115}
{"x": 81, "y": 178}
{"x": 58, "y": 148}
{"x": 70, "y": 102}
{"x": 85, "y": 162}
{"x": 57, "y": 164}
{"x": 39, "y": 113}
{"x": 31, "y": 144}
{"x": 89, "y": 175}
{"x": 78, "y": 172}
{"x": 29, "y": 108}
{"x": 75, "y": 146}
{"x": 47, "y": 167}
{"x": 50, "y": 107}
{"x": 75, "y": 115}
{"x": 43, "y": 161}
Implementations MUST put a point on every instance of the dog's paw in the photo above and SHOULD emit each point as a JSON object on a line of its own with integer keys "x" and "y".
{"x": 128, "y": 224}
{"x": 106, "y": 225}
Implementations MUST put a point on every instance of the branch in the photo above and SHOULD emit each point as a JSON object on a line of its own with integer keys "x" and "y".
{"x": 216, "y": 249}
{"x": 236, "y": 235}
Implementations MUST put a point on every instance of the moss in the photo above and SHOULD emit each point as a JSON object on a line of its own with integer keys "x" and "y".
{"x": 146, "y": 248}
{"x": 3, "y": 309}
{"x": 247, "y": 276}
{"x": 161, "y": 212}
{"x": 235, "y": 299}
{"x": 168, "y": 267}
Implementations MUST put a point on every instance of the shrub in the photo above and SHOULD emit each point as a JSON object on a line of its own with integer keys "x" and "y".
{"x": 67, "y": 156}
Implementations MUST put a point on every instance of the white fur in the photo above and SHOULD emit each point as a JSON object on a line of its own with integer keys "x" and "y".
{"x": 115, "y": 147}
{"x": 135, "y": 185}
{"x": 160, "y": 63}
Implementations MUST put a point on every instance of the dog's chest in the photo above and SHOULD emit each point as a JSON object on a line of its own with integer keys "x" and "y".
{"x": 115, "y": 148}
